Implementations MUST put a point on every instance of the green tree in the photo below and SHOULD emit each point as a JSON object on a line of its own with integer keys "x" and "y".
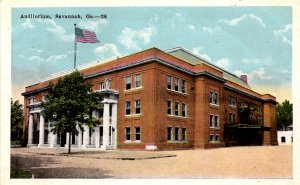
{"x": 16, "y": 120}
{"x": 70, "y": 103}
{"x": 284, "y": 115}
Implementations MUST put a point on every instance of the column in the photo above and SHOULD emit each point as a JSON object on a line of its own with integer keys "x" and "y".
{"x": 42, "y": 130}
{"x": 86, "y": 135}
{"x": 114, "y": 124}
{"x": 67, "y": 139}
{"x": 105, "y": 125}
{"x": 79, "y": 138}
{"x": 52, "y": 137}
{"x": 97, "y": 137}
{"x": 30, "y": 129}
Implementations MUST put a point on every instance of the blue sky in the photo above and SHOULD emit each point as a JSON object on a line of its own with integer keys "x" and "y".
{"x": 256, "y": 41}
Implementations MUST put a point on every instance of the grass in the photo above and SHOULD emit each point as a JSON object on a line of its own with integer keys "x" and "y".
{"x": 20, "y": 174}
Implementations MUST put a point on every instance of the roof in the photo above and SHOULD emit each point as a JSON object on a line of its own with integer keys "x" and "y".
{"x": 194, "y": 59}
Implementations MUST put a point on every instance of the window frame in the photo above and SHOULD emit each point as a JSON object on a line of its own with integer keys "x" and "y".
{"x": 137, "y": 134}
{"x": 176, "y": 103}
{"x": 176, "y": 84}
{"x": 170, "y": 133}
{"x": 169, "y": 107}
{"x": 177, "y": 134}
{"x": 138, "y": 108}
{"x": 216, "y": 121}
{"x": 101, "y": 84}
{"x": 169, "y": 83}
{"x": 138, "y": 83}
{"x": 183, "y": 110}
{"x": 183, "y": 87}
{"x": 127, "y": 108}
{"x": 127, "y": 134}
{"x": 128, "y": 85}
{"x": 183, "y": 134}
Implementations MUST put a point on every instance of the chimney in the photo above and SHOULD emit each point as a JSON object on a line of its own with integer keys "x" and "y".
{"x": 244, "y": 78}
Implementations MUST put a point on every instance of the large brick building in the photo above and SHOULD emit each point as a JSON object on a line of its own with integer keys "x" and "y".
{"x": 161, "y": 100}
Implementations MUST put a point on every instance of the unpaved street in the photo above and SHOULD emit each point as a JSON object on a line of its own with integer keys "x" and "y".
{"x": 233, "y": 162}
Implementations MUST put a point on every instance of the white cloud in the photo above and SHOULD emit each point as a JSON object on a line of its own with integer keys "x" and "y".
{"x": 130, "y": 37}
{"x": 107, "y": 50}
{"x": 198, "y": 51}
{"x": 28, "y": 24}
{"x": 236, "y": 21}
{"x": 223, "y": 63}
{"x": 192, "y": 27}
{"x": 58, "y": 30}
{"x": 37, "y": 50}
{"x": 263, "y": 61}
{"x": 36, "y": 58}
{"x": 280, "y": 34}
{"x": 258, "y": 74}
{"x": 50, "y": 58}
{"x": 155, "y": 18}
{"x": 92, "y": 25}
{"x": 211, "y": 30}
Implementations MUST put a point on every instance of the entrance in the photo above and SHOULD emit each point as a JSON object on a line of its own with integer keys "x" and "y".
{"x": 63, "y": 139}
{"x": 101, "y": 135}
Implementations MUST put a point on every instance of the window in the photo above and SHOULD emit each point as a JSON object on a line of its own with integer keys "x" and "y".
{"x": 127, "y": 104}
{"x": 211, "y": 97}
{"x": 138, "y": 106}
{"x": 170, "y": 133}
{"x": 169, "y": 78}
{"x": 176, "y": 108}
{"x": 211, "y": 120}
{"x": 32, "y": 100}
{"x": 101, "y": 86}
{"x": 292, "y": 139}
{"x": 216, "y": 98}
{"x": 128, "y": 82}
{"x": 138, "y": 80}
{"x": 127, "y": 134}
{"x": 169, "y": 107}
{"x": 108, "y": 83}
{"x": 230, "y": 117}
{"x": 176, "y": 134}
{"x": 183, "y": 110}
{"x": 214, "y": 137}
{"x": 216, "y": 122}
{"x": 45, "y": 97}
{"x": 234, "y": 120}
{"x": 176, "y": 84}
{"x": 138, "y": 133}
{"x": 183, "y": 134}
{"x": 283, "y": 139}
{"x": 183, "y": 88}
{"x": 232, "y": 101}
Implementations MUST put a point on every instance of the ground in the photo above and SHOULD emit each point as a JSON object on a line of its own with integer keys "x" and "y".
{"x": 232, "y": 162}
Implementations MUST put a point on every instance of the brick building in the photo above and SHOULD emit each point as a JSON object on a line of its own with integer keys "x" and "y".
{"x": 161, "y": 100}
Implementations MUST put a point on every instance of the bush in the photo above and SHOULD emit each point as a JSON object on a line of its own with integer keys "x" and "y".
{"x": 20, "y": 174}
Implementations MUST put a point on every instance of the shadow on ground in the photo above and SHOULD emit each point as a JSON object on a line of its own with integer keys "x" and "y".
{"x": 39, "y": 167}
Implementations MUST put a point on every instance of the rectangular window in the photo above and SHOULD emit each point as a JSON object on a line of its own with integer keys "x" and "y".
{"x": 214, "y": 137}
{"x": 176, "y": 84}
{"x": 183, "y": 88}
{"x": 127, "y": 104}
{"x": 169, "y": 78}
{"x": 128, "y": 82}
{"x": 183, "y": 110}
{"x": 283, "y": 139}
{"x": 170, "y": 133}
{"x": 234, "y": 118}
{"x": 138, "y": 106}
{"x": 169, "y": 107}
{"x": 108, "y": 83}
{"x": 211, "y": 97}
{"x": 138, "y": 80}
{"x": 176, "y": 134}
{"x": 232, "y": 101}
{"x": 183, "y": 134}
{"x": 216, "y": 122}
{"x": 138, "y": 133}
{"x": 176, "y": 108}
{"x": 211, "y": 120}
{"x": 127, "y": 134}
{"x": 230, "y": 117}
{"x": 101, "y": 86}
{"x": 216, "y": 98}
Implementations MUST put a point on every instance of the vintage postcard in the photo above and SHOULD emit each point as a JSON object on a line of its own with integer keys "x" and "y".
{"x": 115, "y": 91}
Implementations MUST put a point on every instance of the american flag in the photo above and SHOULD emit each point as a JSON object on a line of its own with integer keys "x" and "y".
{"x": 85, "y": 36}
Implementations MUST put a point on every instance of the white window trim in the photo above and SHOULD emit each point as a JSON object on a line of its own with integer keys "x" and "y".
{"x": 135, "y": 134}
{"x": 136, "y": 107}
{"x": 171, "y": 107}
{"x": 182, "y": 86}
{"x": 126, "y": 107}
{"x": 128, "y": 76}
{"x": 186, "y": 115}
{"x": 127, "y": 141}
{"x": 136, "y": 80}
{"x": 176, "y": 79}
{"x": 178, "y": 108}
{"x": 171, "y": 82}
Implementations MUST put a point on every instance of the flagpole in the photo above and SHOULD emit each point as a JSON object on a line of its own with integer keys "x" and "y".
{"x": 75, "y": 47}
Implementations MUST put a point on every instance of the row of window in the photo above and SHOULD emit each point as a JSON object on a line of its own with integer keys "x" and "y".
{"x": 107, "y": 84}
{"x": 214, "y": 121}
{"x": 176, "y": 112}
{"x": 137, "y": 105}
{"x": 177, "y": 134}
{"x": 213, "y": 98}
{"x": 137, "y": 134}
{"x": 137, "y": 81}
{"x": 176, "y": 86}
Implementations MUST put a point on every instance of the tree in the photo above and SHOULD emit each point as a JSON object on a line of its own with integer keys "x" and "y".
{"x": 284, "y": 115}
{"x": 70, "y": 103}
{"x": 16, "y": 120}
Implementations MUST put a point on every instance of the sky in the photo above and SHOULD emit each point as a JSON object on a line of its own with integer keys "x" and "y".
{"x": 256, "y": 41}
